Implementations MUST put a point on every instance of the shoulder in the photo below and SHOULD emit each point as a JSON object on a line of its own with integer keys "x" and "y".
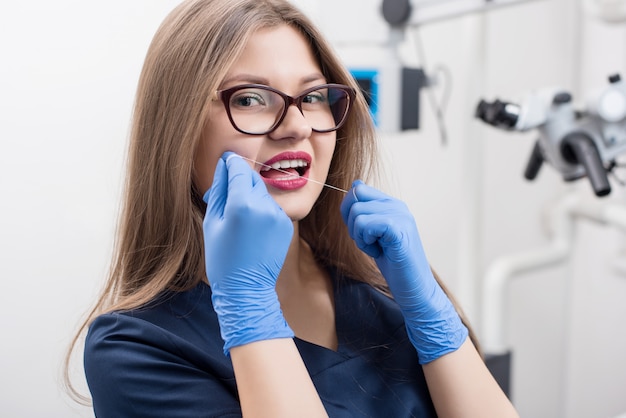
{"x": 134, "y": 359}
{"x": 169, "y": 322}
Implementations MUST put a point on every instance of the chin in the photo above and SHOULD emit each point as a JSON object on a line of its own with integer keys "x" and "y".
{"x": 297, "y": 205}
{"x": 297, "y": 215}
{"x": 295, "y": 210}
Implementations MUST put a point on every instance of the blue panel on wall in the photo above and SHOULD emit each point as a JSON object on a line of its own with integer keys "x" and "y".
{"x": 368, "y": 81}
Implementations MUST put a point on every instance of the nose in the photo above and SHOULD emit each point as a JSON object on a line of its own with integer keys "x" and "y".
{"x": 293, "y": 126}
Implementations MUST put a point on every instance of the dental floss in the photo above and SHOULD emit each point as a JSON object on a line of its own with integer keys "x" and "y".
{"x": 286, "y": 172}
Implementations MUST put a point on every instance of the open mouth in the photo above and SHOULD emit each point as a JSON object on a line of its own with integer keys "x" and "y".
{"x": 285, "y": 169}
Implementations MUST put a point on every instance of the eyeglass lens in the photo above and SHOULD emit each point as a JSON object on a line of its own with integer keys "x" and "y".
{"x": 257, "y": 110}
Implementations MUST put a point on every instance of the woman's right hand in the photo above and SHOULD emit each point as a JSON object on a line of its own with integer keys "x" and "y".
{"x": 246, "y": 238}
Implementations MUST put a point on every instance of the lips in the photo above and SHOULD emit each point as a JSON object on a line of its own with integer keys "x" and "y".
{"x": 287, "y": 170}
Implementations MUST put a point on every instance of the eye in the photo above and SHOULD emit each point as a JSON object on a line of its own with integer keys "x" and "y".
{"x": 317, "y": 97}
{"x": 247, "y": 98}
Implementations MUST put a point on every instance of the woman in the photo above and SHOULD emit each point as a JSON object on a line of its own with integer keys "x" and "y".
{"x": 241, "y": 285}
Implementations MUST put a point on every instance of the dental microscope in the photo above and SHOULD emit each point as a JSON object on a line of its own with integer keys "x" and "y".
{"x": 578, "y": 143}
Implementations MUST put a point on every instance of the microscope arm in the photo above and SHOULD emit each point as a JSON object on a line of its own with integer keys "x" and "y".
{"x": 534, "y": 162}
{"x": 578, "y": 147}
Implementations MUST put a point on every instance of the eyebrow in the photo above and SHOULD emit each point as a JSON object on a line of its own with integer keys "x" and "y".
{"x": 255, "y": 79}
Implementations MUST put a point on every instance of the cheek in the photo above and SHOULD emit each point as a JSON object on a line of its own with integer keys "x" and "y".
{"x": 215, "y": 137}
{"x": 205, "y": 161}
{"x": 218, "y": 137}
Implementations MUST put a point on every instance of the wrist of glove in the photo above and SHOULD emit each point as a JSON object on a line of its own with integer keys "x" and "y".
{"x": 384, "y": 228}
{"x": 434, "y": 327}
{"x": 241, "y": 265}
{"x": 245, "y": 318}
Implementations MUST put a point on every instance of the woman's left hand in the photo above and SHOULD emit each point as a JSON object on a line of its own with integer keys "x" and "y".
{"x": 384, "y": 228}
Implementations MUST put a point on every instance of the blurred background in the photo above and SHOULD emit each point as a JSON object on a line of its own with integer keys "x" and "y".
{"x": 539, "y": 266}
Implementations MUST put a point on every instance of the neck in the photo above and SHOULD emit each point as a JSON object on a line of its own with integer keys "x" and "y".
{"x": 299, "y": 261}
{"x": 305, "y": 292}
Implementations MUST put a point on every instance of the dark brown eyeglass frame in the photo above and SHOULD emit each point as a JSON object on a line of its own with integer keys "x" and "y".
{"x": 226, "y": 94}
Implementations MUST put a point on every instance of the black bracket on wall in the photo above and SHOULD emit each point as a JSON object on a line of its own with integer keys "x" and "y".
{"x": 413, "y": 79}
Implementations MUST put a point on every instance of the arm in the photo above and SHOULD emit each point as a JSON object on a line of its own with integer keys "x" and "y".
{"x": 461, "y": 386}
{"x": 273, "y": 382}
{"x": 458, "y": 380}
{"x": 242, "y": 265}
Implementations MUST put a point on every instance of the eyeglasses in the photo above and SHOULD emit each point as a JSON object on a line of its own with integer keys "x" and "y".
{"x": 257, "y": 109}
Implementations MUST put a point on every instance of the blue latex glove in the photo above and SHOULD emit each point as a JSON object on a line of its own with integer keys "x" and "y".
{"x": 246, "y": 238}
{"x": 384, "y": 229}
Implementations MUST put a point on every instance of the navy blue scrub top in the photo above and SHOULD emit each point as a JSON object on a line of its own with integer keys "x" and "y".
{"x": 167, "y": 360}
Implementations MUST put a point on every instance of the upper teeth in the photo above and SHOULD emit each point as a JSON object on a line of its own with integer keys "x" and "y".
{"x": 283, "y": 164}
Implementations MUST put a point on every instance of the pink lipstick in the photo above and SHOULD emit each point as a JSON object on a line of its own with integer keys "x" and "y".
{"x": 287, "y": 170}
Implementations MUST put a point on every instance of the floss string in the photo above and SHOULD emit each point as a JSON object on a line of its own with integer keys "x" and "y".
{"x": 293, "y": 175}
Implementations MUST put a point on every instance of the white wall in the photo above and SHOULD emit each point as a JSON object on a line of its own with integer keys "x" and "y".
{"x": 67, "y": 80}
{"x": 67, "y": 77}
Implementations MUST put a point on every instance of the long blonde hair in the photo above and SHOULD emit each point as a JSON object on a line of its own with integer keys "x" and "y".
{"x": 159, "y": 243}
